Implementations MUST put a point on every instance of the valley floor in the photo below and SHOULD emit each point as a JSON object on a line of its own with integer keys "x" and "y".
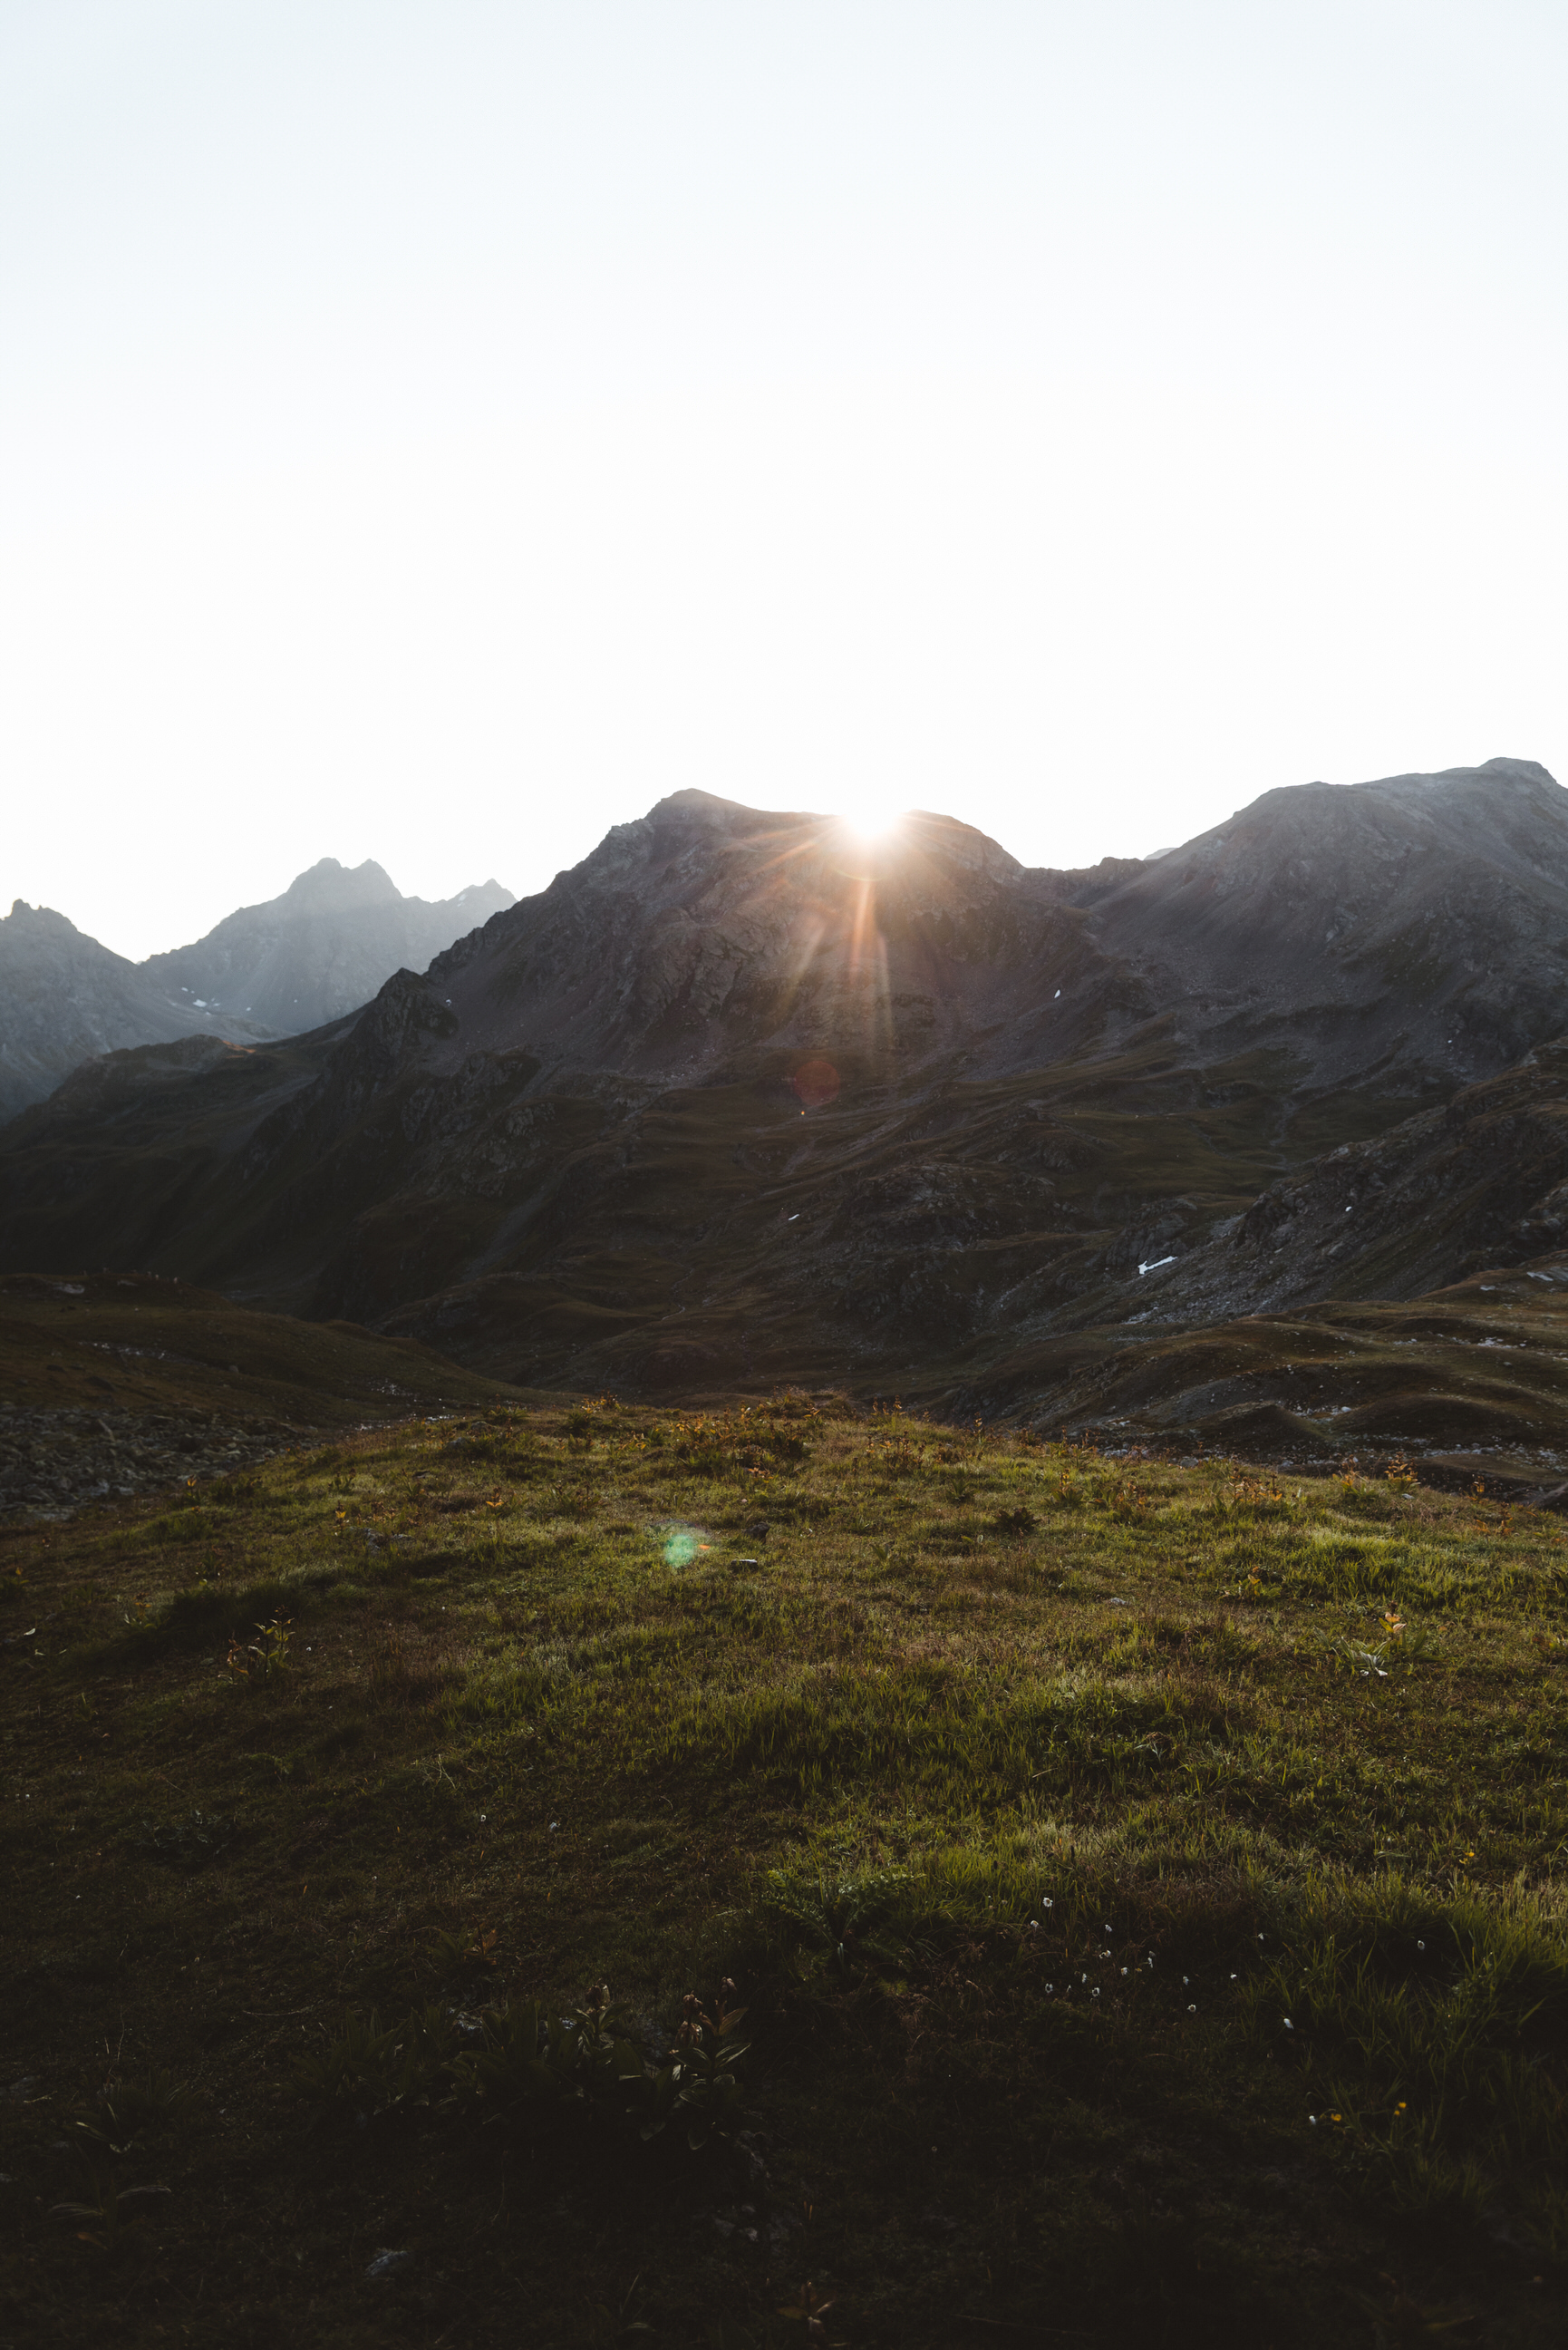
{"x": 1140, "y": 1881}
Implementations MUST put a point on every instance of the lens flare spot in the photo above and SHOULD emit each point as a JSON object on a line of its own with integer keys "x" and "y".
{"x": 681, "y": 1545}
{"x": 816, "y": 1083}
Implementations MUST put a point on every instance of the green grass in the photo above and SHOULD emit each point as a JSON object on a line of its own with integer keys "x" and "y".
{"x": 1140, "y": 1881}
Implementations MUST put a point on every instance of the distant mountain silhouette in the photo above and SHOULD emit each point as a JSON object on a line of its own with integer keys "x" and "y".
{"x": 320, "y": 950}
{"x": 741, "y": 1100}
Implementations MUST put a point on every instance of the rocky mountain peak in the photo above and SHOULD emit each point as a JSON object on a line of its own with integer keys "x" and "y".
{"x": 1524, "y": 771}
{"x": 41, "y": 920}
{"x": 705, "y": 928}
{"x": 328, "y": 883}
{"x": 300, "y": 961}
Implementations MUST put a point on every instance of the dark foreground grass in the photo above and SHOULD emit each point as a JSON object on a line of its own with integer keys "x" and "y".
{"x": 1140, "y": 1881}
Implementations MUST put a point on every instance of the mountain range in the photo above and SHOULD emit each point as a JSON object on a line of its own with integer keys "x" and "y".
{"x": 320, "y": 950}
{"x": 743, "y": 1098}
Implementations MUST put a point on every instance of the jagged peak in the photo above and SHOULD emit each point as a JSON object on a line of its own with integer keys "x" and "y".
{"x": 328, "y": 881}
{"x": 22, "y": 912}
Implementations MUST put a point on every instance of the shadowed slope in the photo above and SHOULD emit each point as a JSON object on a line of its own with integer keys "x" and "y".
{"x": 1419, "y": 925}
{"x": 741, "y": 1098}
{"x": 65, "y": 998}
{"x": 319, "y": 950}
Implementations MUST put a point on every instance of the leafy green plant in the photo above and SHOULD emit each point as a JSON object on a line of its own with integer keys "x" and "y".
{"x": 847, "y": 1925}
{"x": 456, "y": 1954}
{"x": 526, "y": 2057}
{"x": 268, "y": 1654}
{"x": 696, "y": 2086}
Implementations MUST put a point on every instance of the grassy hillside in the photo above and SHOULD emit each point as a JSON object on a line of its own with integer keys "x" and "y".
{"x": 608, "y": 1231}
{"x": 117, "y": 1385}
{"x": 1477, "y": 1369}
{"x": 135, "y": 1343}
{"x": 1140, "y": 1881}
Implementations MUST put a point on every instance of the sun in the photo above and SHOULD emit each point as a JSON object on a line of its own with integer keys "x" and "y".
{"x": 871, "y": 819}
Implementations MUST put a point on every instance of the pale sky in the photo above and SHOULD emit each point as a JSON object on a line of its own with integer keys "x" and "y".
{"x": 432, "y": 430}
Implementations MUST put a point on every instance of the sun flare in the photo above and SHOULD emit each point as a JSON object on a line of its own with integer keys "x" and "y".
{"x": 871, "y": 820}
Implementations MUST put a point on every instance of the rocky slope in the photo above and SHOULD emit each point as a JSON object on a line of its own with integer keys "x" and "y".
{"x": 1473, "y": 1378}
{"x": 1412, "y": 930}
{"x": 1483, "y": 1182}
{"x": 64, "y": 998}
{"x": 319, "y": 950}
{"x": 115, "y": 1385}
{"x": 739, "y": 1101}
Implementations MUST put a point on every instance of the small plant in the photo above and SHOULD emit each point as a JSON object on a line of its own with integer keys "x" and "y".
{"x": 110, "y": 2229}
{"x": 454, "y": 1954}
{"x": 809, "y": 2308}
{"x": 1400, "y": 1473}
{"x": 697, "y": 2086}
{"x": 519, "y": 2060}
{"x": 842, "y": 1922}
{"x": 1015, "y": 1522}
{"x": 133, "y": 2110}
{"x": 1248, "y": 1493}
{"x": 528, "y": 2058}
{"x": 268, "y": 1654}
{"x": 372, "y": 2071}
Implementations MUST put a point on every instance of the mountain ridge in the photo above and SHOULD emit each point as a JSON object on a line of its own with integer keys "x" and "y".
{"x": 320, "y": 949}
{"x": 742, "y": 1097}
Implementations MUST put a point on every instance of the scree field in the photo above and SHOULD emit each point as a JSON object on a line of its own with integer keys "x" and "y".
{"x": 1137, "y": 1879}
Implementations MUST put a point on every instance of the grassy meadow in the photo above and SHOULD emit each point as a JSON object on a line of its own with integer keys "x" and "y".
{"x": 1139, "y": 1878}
